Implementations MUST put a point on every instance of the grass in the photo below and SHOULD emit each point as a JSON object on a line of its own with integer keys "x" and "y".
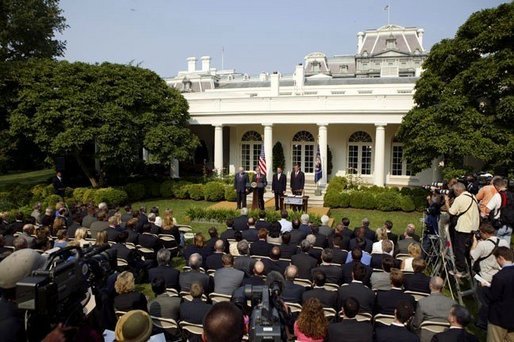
{"x": 32, "y": 177}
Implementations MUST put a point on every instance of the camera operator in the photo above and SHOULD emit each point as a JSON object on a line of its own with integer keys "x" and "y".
{"x": 494, "y": 209}
{"x": 484, "y": 264}
{"x": 464, "y": 210}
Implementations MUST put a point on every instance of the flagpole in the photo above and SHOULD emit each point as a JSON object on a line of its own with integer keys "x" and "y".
{"x": 222, "y": 58}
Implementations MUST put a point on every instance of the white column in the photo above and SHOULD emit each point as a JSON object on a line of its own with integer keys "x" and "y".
{"x": 322, "y": 138}
{"x": 174, "y": 173}
{"x": 379, "y": 154}
{"x": 268, "y": 150}
{"x": 218, "y": 149}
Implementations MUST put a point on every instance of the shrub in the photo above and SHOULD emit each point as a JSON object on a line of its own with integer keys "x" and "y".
{"x": 337, "y": 183}
{"x": 407, "y": 204}
{"x": 230, "y": 193}
{"x": 344, "y": 200}
{"x": 182, "y": 191}
{"x": 111, "y": 196}
{"x": 331, "y": 199}
{"x": 51, "y": 201}
{"x": 5, "y": 201}
{"x": 89, "y": 196}
{"x": 362, "y": 200}
{"x": 78, "y": 194}
{"x": 405, "y": 191}
{"x": 166, "y": 189}
{"x": 135, "y": 191}
{"x": 196, "y": 192}
{"x": 420, "y": 202}
{"x": 40, "y": 192}
{"x": 152, "y": 188}
{"x": 214, "y": 191}
{"x": 387, "y": 201}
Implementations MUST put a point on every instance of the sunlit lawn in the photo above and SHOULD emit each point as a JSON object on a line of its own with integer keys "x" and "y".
{"x": 32, "y": 177}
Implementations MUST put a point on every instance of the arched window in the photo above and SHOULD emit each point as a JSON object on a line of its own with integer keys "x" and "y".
{"x": 250, "y": 149}
{"x": 303, "y": 151}
{"x": 399, "y": 166}
{"x": 359, "y": 153}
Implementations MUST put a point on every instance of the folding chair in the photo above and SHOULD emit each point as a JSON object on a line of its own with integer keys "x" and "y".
{"x": 417, "y": 295}
{"x": 363, "y": 317}
{"x": 294, "y": 307}
{"x": 429, "y": 328}
{"x": 219, "y": 297}
{"x": 331, "y": 287}
{"x": 329, "y": 313}
{"x": 195, "y": 329}
{"x": 384, "y": 319}
{"x": 172, "y": 292}
{"x": 302, "y": 282}
{"x": 167, "y": 324}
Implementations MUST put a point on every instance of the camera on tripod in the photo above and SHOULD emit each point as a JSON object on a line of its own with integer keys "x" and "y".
{"x": 265, "y": 323}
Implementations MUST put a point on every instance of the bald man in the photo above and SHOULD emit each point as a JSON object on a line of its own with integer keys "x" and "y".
{"x": 292, "y": 293}
{"x": 256, "y": 279}
{"x": 223, "y": 323}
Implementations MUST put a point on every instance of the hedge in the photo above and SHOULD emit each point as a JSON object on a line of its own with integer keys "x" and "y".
{"x": 152, "y": 188}
{"x": 214, "y": 191}
{"x": 362, "y": 200}
{"x": 230, "y": 193}
{"x": 111, "y": 196}
{"x": 196, "y": 192}
{"x": 166, "y": 189}
{"x": 135, "y": 191}
{"x": 387, "y": 201}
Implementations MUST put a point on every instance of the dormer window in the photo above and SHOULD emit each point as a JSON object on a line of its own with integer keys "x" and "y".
{"x": 391, "y": 43}
{"x": 343, "y": 68}
{"x": 187, "y": 85}
{"x": 316, "y": 66}
{"x": 365, "y": 53}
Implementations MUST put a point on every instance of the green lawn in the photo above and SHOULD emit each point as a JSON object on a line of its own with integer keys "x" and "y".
{"x": 32, "y": 177}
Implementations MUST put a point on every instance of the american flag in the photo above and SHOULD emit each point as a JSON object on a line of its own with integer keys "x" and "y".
{"x": 262, "y": 161}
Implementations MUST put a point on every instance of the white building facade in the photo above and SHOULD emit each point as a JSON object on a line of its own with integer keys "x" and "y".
{"x": 352, "y": 105}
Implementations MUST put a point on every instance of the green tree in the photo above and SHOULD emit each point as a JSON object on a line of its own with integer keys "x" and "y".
{"x": 278, "y": 156}
{"x": 68, "y": 107}
{"x": 465, "y": 96}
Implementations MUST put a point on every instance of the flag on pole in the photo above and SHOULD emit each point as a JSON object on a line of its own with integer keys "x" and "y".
{"x": 262, "y": 161}
{"x": 318, "y": 171}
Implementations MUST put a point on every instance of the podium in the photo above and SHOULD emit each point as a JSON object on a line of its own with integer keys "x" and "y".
{"x": 256, "y": 188}
{"x": 294, "y": 201}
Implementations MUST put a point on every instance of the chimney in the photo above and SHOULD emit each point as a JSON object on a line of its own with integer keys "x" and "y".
{"x": 263, "y": 76}
{"x": 360, "y": 41}
{"x": 420, "y": 36}
{"x": 275, "y": 84}
{"x": 191, "y": 64}
{"x": 206, "y": 63}
{"x": 299, "y": 77}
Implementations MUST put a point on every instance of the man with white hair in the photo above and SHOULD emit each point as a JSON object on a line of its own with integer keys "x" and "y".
{"x": 28, "y": 234}
{"x": 304, "y": 260}
{"x": 241, "y": 222}
{"x": 324, "y": 228}
{"x": 304, "y": 224}
{"x": 292, "y": 293}
{"x": 103, "y": 206}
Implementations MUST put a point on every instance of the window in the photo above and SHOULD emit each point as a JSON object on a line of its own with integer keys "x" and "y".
{"x": 360, "y": 153}
{"x": 399, "y": 166}
{"x": 391, "y": 43}
{"x": 303, "y": 151}
{"x": 316, "y": 66}
{"x": 250, "y": 150}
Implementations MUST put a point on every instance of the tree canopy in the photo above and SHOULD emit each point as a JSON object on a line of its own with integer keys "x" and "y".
{"x": 464, "y": 100}
{"x": 66, "y": 108}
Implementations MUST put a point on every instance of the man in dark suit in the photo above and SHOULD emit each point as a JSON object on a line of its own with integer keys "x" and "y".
{"x": 274, "y": 263}
{"x": 338, "y": 254}
{"x": 241, "y": 222}
{"x": 386, "y": 300}
{"x": 406, "y": 239}
{"x": 256, "y": 277}
{"x": 213, "y": 261}
{"x": 99, "y": 225}
{"x": 195, "y": 310}
{"x": 304, "y": 261}
{"x": 321, "y": 240}
{"x": 349, "y": 329}
{"x": 297, "y": 183}
{"x": 297, "y": 235}
{"x": 397, "y": 331}
{"x": 186, "y": 279}
{"x": 278, "y": 186}
{"x": 358, "y": 290}
{"x": 165, "y": 271}
{"x": 241, "y": 182}
{"x": 252, "y": 233}
{"x": 287, "y": 249}
{"x": 368, "y": 233}
{"x": 292, "y": 292}
{"x": 501, "y": 297}
{"x": 333, "y": 272}
{"x": 209, "y": 244}
{"x": 327, "y": 298}
{"x": 149, "y": 240}
{"x": 348, "y": 268}
{"x": 58, "y": 184}
{"x": 260, "y": 179}
{"x": 261, "y": 222}
{"x": 261, "y": 247}
{"x": 458, "y": 318}
{"x": 229, "y": 233}
{"x": 418, "y": 281}
{"x": 361, "y": 240}
{"x": 390, "y": 235}
{"x": 412, "y": 231}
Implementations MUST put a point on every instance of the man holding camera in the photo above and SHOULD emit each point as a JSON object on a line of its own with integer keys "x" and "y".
{"x": 465, "y": 209}
{"x": 484, "y": 264}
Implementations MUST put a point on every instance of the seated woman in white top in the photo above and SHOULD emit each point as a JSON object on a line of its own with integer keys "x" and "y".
{"x": 414, "y": 252}
{"x": 377, "y": 246}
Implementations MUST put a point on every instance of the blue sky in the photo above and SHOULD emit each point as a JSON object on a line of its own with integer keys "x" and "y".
{"x": 256, "y": 36}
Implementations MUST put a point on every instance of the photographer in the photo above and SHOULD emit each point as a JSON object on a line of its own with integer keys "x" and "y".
{"x": 466, "y": 214}
{"x": 498, "y": 203}
{"x": 484, "y": 263}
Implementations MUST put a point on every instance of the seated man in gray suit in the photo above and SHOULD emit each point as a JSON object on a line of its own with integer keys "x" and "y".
{"x": 382, "y": 280}
{"x": 227, "y": 279}
{"x": 195, "y": 275}
{"x": 435, "y": 307}
{"x": 163, "y": 305}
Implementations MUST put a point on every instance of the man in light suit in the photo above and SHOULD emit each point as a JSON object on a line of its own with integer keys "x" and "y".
{"x": 240, "y": 184}
{"x": 227, "y": 279}
{"x": 278, "y": 186}
{"x": 297, "y": 183}
{"x": 260, "y": 179}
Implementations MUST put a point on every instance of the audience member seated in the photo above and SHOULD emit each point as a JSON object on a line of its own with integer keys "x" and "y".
{"x": 459, "y": 317}
{"x": 285, "y": 224}
{"x": 232, "y": 248}
{"x": 418, "y": 281}
{"x": 87, "y": 220}
{"x": 251, "y": 234}
{"x": 125, "y": 253}
{"x": 311, "y": 325}
{"x": 397, "y": 331}
{"x": 127, "y": 297}
{"x": 100, "y": 224}
{"x": 358, "y": 290}
{"x": 28, "y": 234}
{"x": 386, "y": 301}
{"x": 274, "y": 237}
{"x": 314, "y": 252}
{"x": 209, "y": 245}
{"x": 349, "y": 329}
{"x": 381, "y": 234}
{"x": 227, "y": 279}
{"x": 80, "y": 238}
{"x": 195, "y": 310}
{"x": 292, "y": 293}
{"x": 261, "y": 247}
{"x": 154, "y": 227}
{"x": 101, "y": 240}
{"x": 388, "y": 225}
{"x": 339, "y": 255}
{"x": 297, "y": 235}
{"x": 414, "y": 252}
{"x": 213, "y": 261}
{"x": 223, "y": 323}
{"x": 243, "y": 262}
{"x": 368, "y": 233}
{"x": 169, "y": 226}
{"x": 324, "y": 228}
{"x": 327, "y": 298}
{"x": 20, "y": 243}
{"x": 261, "y": 222}
{"x": 256, "y": 278}
{"x": 62, "y": 239}
{"x": 198, "y": 246}
{"x": 361, "y": 241}
{"x": 304, "y": 224}
{"x": 229, "y": 232}
{"x": 149, "y": 240}
{"x": 304, "y": 261}
{"x": 333, "y": 272}
{"x": 356, "y": 256}
{"x": 387, "y": 249}
{"x": 321, "y": 240}
{"x": 163, "y": 305}
{"x": 186, "y": 279}
{"x": 274, "y": 263}
{"x": 130, "y": 227}
{"x": 407, "y": 238}
{"x": 165, "y": 271}
{"x": 241, "y": 222}
{"x": 113, "y": 228}
{"x": 382, "y": 280}
{"x": 287, "y": 249}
